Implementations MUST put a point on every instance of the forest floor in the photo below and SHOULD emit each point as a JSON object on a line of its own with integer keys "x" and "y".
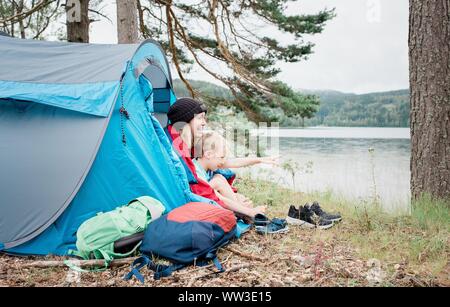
{"x": 367, "y": 248}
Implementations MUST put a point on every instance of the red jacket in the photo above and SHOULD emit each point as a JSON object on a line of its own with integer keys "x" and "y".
{"x": 201, "y": 187}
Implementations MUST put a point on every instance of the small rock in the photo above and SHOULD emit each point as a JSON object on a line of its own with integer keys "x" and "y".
{"x": 373, "y": 263}
{"x": 305, "y": 278}
{"x": 304, "y": 261}
{"x": 375, "y": 275}
{"x": 299, "y": 259}
{"x": 275, "y": 283}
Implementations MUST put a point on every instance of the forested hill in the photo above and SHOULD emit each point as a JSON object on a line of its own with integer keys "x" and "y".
{"x": 209, "y": 88}
{"x": 382, "y": 109}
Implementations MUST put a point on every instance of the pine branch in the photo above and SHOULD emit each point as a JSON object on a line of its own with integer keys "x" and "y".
{"x": 239, "y": 69}
{"x": 143, "y": 28}
{"x": 251, "y": 59}
{"x": 23, "y": 15}
{"x": 229, "y": 84}
{"x": 100, "y": 14}
{"x": 47, "y": 22}
{"x": 174, "y": 52}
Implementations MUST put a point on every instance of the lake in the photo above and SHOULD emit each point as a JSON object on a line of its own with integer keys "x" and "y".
{"x": 341, "y": 162}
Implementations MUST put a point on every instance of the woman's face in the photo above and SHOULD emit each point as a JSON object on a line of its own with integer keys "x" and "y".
{"x": 197, "y": 125}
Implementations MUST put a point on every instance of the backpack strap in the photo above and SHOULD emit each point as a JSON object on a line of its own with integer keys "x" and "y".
{"x": 155, "y": 207}
{"x": 107, "y": 260}
{"x": 164, "y": 270}
{"x": 160, "y": 270}
{"x": 136, "y": 266}
{"x": 218, "y": 264}
{"x": 213, "y": 257}
{"x": 123, "y": 255}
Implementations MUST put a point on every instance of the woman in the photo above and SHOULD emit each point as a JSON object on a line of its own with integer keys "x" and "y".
{"x": 187, "y": 121}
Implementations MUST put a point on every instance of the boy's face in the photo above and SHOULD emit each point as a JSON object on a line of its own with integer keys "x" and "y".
{"x": 215, "y": 158}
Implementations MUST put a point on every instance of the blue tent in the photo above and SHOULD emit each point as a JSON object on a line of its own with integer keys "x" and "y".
{"x": 81, "y": 131}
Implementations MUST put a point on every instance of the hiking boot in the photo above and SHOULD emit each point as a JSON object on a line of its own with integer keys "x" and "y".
{"x": 315, "y": 207}
{"x": 306, "y": 218}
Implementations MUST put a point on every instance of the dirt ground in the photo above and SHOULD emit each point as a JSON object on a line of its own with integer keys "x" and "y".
{"x": 298, "y": 258}
{"x": 301, "y": 257}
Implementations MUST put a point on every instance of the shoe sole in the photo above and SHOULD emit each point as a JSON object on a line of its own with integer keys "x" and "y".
{"x": 260, "y": 229}
{"x": 297, "y": 222}
{"x": 325, "y": 226}
{"x": 336, "y": 220}
{"x": 305, "y": 224}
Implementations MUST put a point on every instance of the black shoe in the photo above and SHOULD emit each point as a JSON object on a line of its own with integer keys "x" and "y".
{"x": 306, "y": 218}
{"x": 315, "y": 207}
{"x": 293, "y": 212}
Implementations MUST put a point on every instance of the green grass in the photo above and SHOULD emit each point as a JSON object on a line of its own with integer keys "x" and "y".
{"x": 419, "y": 240}
{"x": 432, "y": 215}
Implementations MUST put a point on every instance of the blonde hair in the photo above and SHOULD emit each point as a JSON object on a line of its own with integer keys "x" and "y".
{"x": 212, "y": 141}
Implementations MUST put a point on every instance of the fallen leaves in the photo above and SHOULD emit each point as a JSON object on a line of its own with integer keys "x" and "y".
{"x": 298, "y": 258}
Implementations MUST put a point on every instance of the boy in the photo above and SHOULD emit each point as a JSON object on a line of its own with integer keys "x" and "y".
{"x": 213, "y": 157}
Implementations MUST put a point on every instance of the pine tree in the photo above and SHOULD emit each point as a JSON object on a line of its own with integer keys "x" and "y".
{"x": 28, "y": 18}
{"x": 234, "y": 41}
{"x": 77, "y": 21}
{"x": 429, "y": 60}
{"x": 127, "y": 28}
{"x": 31, "y": 18}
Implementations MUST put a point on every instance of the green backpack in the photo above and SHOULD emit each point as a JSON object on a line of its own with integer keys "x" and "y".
{"x": 96, "y": 236}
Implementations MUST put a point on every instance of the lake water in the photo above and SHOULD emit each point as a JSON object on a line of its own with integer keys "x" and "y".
{"x": 341, "y": 163}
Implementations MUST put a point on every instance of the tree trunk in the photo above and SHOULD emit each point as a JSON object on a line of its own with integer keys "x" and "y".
{"x": 127, "y": 22}
{"x": 13, "y": 12}
{"x": 77, "y": 21}
{"x": 429, "y": 49}
{"x": 21, "y": 24}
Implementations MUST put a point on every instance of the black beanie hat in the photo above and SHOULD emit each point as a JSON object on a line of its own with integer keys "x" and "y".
{"x": 184, "y": 110}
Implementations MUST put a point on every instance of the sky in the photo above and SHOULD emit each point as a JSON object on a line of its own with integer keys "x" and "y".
{"x": 363, "y": 49}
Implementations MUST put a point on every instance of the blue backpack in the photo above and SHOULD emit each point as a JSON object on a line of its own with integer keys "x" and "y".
{"x": 190, "y": 234}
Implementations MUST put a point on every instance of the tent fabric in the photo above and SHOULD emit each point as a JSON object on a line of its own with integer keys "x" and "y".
{"x": 90, "y": 98}
{"x": 45, "y": 153}
{"x": 71, "y": 153}
{"x": 27, "y": 60}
